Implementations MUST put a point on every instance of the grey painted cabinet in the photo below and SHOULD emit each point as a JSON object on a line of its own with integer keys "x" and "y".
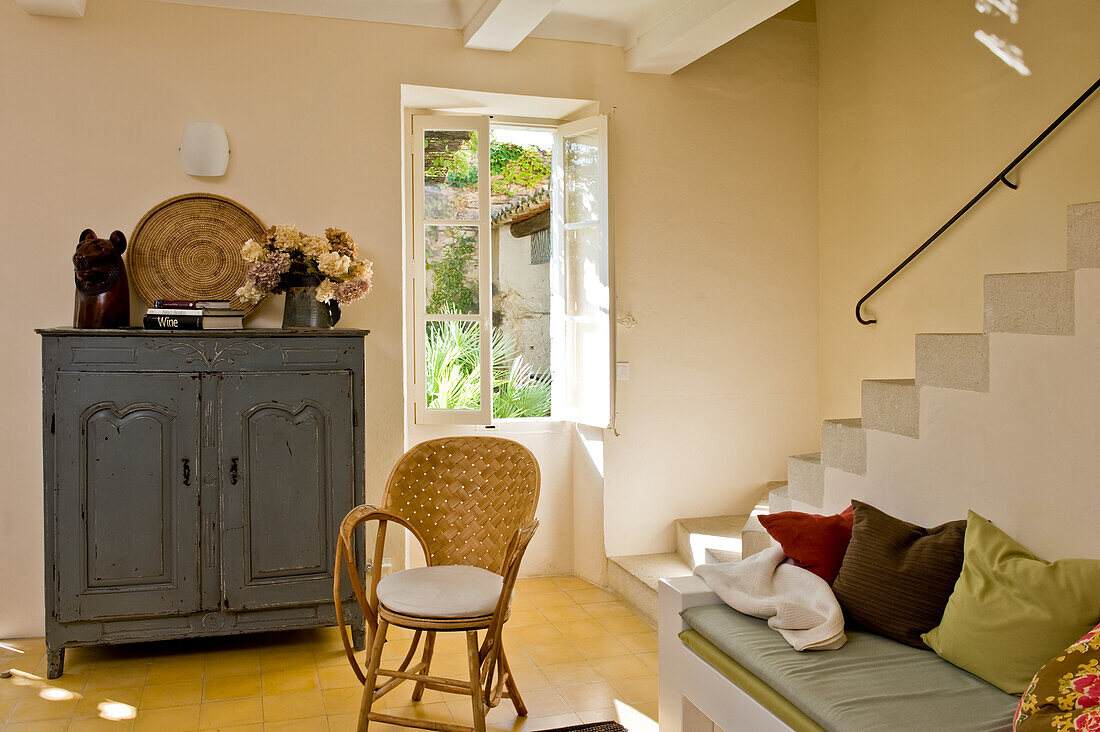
{"x": 194, "y": 482}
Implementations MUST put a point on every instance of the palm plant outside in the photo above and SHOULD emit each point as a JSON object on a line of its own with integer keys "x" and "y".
{"x": 454, "y": 374}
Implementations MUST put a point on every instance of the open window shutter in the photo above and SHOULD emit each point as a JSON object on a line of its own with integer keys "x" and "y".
{"x": 451, "y": 270}
{"x": 582, "y": 296}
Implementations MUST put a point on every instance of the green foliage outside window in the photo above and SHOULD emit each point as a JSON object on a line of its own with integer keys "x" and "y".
{"x": 450, "y": 291}
{"x": 452, "y": 359}
{"x": 511, "y": 166}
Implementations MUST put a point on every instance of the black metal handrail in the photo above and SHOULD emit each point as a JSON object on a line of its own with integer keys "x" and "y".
{"x": 1001, "y": 177}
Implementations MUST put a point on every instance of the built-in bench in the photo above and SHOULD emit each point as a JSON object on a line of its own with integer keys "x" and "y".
{"x": 744, "y": 676}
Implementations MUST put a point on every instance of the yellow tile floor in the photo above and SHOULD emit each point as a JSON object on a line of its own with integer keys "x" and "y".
{"x": 578, "y": 655}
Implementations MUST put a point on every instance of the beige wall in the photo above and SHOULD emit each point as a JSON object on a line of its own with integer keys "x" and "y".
{"x": 916, "y": 117}
{"x": 712, "y": 197}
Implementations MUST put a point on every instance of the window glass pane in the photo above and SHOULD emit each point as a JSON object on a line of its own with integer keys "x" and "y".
{"x": 450, "y": 174}
{"x": 582, "y": 178}
{"x": 586, "y": 291}
{"x": 451, "y": 263}
{"x": 452, "y": 360}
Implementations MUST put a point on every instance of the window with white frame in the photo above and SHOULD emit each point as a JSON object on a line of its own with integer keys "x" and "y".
{"x": 482, "y": 313}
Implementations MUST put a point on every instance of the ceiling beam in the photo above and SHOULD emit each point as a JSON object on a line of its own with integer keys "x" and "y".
{"x": 695, "y": 29}
{"x": 56, "y": 8}
{"x": 501, "y": 25}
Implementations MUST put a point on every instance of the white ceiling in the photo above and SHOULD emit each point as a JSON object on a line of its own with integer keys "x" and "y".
{"x": 659, "y": 36}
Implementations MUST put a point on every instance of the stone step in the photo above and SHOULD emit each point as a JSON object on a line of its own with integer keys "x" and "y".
{"x": 754, "y": 538}
{"x": 720, "y": 556}
{"x": 1038, "y": 303}
{"x": 953, "y": 360}
{"x": 891, "y": 405}
{"x": 1083, "y": 235}
{"x": 634, "y": 579}
{"x": 778, "y": 498}
{"x": 844, "y": 445}
{"x": 694, "y": 536}
{"x": 805, "y": 479}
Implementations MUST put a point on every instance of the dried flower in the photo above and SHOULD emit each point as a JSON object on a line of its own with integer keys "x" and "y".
{"x": 264, "y": 275}
{"x": 280, "y": 260}
{"x": 249, "y": 294}
{"x": 333, "y": 264}
{"x": 314, "y": 246}
{"x": 251, "y": 251}
{"x": 342, "y": 242}
{"x": 326, "y": 291}
{"x": 361, "y": 269}
{"x": 352, "y": 290}
{"x": 286, "y": 237}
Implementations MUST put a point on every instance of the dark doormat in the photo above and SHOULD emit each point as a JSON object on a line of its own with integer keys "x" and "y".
{"x": 593, "y": 727}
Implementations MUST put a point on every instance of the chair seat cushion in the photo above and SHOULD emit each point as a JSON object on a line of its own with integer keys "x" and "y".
{"x": 451, "y": 591}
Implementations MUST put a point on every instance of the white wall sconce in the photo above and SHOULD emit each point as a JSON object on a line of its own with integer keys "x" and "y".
{"x": 204, "y": 149}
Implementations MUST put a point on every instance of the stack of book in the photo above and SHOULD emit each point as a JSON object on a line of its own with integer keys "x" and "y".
{"x": 193, "y": 315}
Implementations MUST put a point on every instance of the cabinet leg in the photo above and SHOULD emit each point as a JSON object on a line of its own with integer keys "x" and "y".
{"x": 359, "y": 637}
{"x": 55, "y": 663}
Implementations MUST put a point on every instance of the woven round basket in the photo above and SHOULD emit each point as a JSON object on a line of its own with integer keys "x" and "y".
{"x": 189, "y": 248}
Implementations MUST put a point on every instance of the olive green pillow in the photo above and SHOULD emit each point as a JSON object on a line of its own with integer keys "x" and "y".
{"x": 1011, "y": 612}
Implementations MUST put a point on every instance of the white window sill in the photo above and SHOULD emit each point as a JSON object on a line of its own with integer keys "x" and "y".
{"x": 526, "y": 426}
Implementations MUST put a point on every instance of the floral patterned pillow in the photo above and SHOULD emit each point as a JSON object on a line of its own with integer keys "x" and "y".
{"x": 1065, "y": 694}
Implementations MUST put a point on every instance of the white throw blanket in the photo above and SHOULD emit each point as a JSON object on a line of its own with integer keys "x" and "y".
{"x": 794, "y": 601}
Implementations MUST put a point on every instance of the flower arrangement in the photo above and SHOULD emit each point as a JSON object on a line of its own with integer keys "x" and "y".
{"x": 284, "y": 250}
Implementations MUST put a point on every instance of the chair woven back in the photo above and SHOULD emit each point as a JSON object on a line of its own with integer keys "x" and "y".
{"x": 466, "y": 496}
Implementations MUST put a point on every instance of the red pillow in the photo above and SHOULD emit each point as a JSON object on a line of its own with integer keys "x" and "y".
{"x": 813, "y": 542}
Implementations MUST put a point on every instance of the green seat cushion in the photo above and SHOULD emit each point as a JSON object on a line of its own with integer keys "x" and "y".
{"x": 872, "y": 683}
{"x": 1011, "y": 612}
{"x": 749, "y": 683}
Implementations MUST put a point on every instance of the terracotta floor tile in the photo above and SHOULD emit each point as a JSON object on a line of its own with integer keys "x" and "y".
{"x": 612, "y": 609}
{"x": 220, "y": 688}
{"x": 640, "y": 642}
{"x": 567, "y": 674}
{"x": 287, "y": 682}
{"x": 346, "y": 700}
{"x": 559, "y": 614}
{"x": 583, "y": 629}
{"x": 586, "y": 697}
{"x": 550, "y": 599}
{"x": 232, "y": 662}
{"x": 32, "y": 708}
{"x": 94, "y": 724}
{"x": 638, "y": 690}
{"x": 337, "y": 677}
{"x": 299, "y": 705}
{"x": 309, "y": 724}
{"x": 159, "y": 696}
{"x": 571, "y": 583}
{"x": 183, "y": 719}
{"x": 54, "y": 725}
{"x": 592, "y": 595}
{"x": 601, "y": 647}
{"x": 626, "y": 625}
{"x": 529, "y": 585}
{"x": 219, "y": 714}
{"x": 576, "y": 652}
{"x": 621, "y": 667}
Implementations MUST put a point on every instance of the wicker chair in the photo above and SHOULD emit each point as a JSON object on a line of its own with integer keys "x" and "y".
{"x": 470, "y": 502}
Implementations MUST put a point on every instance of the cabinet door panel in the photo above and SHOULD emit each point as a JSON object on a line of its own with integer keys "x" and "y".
{"x": 285, "y": 442}
{"x": 127, "y": 524}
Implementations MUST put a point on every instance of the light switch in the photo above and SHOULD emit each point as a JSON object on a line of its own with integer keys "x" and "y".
{"x": 622, "y": 370}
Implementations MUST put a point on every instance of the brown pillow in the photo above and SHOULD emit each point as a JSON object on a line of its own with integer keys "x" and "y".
{"x": 896, "y": 576}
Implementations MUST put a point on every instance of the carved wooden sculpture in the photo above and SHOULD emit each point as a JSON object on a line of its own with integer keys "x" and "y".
{"x": 102, "y": 292}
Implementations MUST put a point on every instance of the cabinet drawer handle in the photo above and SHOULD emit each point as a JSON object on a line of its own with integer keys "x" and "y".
{"x": 233, "y": 471}
{"x": 187, "y": 471}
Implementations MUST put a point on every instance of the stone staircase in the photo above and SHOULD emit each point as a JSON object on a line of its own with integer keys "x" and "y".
{"x": 1036, "y": 303}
